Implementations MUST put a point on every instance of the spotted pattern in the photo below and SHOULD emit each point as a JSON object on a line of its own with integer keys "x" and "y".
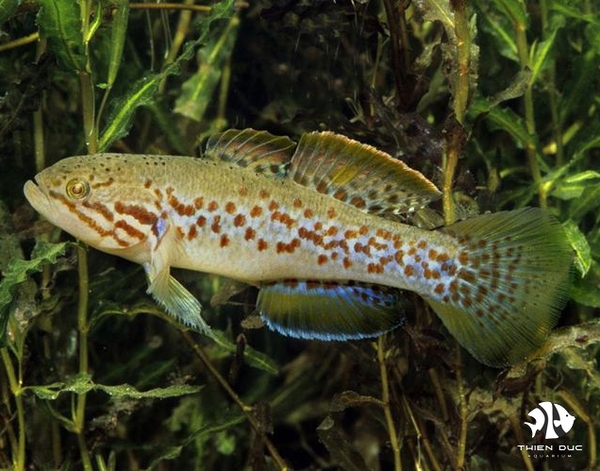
{"x": 268, "y": 226}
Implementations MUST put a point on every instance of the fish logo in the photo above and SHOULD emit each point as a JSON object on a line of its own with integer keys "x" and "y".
{"x": 552, "y": 419}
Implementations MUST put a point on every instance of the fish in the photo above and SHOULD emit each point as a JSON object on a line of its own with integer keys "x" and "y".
{"x": 319, "y": 226}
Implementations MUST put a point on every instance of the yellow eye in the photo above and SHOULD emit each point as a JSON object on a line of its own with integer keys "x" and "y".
{"x": 78, "y": 189}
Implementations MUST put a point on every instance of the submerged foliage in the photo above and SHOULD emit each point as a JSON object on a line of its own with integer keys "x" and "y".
{"x": 496, "y": 101}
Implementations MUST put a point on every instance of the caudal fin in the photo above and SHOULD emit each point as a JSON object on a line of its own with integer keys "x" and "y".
{"x": 511, "y": 284}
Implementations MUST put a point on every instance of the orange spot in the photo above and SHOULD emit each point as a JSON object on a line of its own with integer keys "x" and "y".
{"x": 322, "y": 259}
{"x": 213, "y": 206}
{"x": 200, "y": 221}
{"x": 250, "y": 234}
{"x": 382, "y": 233}
{"x": 463, "y": 258}
{"x": 264, "y": 194}
{"x": 297, "y": 203}
{"x": 422, "y": 244}
{"x": 332, "y": 230}
{"x": 347, "y": 263}
{"x": 262, "y": 244}
{"x": 147, "y": 183}
{"x": 374, "y": 268}
{"x": 230, "y": 207}
{"x": 239, "y": 220}
{"x": 358, "y": 202}
{"x": 398, "y": 257}
{"x": 256, "y": 211}
{"x": 432, "y": 254}
{"x": 243, "y": 190}
{"x": 216, "y": 225}
{"x": 273, "y": 205}
{"x": 339, "y": 194}
{"x": 303, "y": 232}
{"x": 350, "y": 234}
{"x": 308, "y": 214}
{"x": 443, "y": 257}
{"x": 439, "y": 288}
{"x": 192, "y": 232}
{"x": 409, "y": 270}
{"x": 198, "y": 202}
{"x": 318, "y": 226}
{"x": 331, "y": 213}
{"x": 363, "y": 230}
{"x": 224, "y": 241}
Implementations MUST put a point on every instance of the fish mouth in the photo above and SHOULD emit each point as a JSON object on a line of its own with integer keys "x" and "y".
{"x": 36, "y": 196}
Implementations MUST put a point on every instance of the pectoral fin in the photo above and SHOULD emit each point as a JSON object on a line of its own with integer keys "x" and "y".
{"x": 329, "y": 310}
{"x": 165, "y": 289}
{"x": 177, "y": 300}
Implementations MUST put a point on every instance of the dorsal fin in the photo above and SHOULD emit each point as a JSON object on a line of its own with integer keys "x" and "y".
{"x": 359, "y": 174}
{"x": 256, "y": 150}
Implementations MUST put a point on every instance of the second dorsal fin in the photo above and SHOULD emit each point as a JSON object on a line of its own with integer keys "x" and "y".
{"x": 359, "y": 174}
{"x": 256, "y": 150}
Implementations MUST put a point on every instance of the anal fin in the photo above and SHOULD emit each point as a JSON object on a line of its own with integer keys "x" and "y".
{"x": 327, "y": 310}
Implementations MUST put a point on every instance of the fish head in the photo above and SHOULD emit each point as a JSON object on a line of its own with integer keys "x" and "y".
{"x": 100, "y": 199}
{"x": 565, "y": 420}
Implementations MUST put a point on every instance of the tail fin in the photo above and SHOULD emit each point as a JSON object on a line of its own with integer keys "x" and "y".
{"x": 511, "y": 285}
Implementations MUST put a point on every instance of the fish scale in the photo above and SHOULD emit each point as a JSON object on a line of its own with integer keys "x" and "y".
{"x": 256, "y": 238}
{"x": 315, "y": 225}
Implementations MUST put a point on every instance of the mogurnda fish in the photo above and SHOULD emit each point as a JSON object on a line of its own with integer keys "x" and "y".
{"x": 316, "y": 226}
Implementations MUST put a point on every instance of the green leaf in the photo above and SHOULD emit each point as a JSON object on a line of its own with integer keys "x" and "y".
{"x": 59, "y": 22}
{"x": 17, "y": 272}
{"x": 586, "y": 290}
{"x": 198, "y": 91}
{"x": 205, "y": 431}
{"x": 143, "y": 92}
{"x": 118, "y": 30}
{"x": 82, "y": 384}
{"x": 583, "y": 253}
{"x": 573, "y": 187}
{"x": 505, "y": 119}
{"x": 540, "y": 54}
{"x": 123, "y": 109}
{"x": 516, "y": 12}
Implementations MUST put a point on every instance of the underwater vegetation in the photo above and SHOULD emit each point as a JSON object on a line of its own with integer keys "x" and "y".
{"x": 495, "y": 102}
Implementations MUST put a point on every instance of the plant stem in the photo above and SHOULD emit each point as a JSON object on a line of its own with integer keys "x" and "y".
{"x": 16, "y": 390}
{"x": 385, "y": 398}
{"x": 530, "y": 145}
{"x": 83, "y": 328}
{"x": 463, "y": 59}
{"x": 462, "y": 403}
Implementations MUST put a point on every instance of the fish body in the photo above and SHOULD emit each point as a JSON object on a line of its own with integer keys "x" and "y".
{"x": 316, "y": 227}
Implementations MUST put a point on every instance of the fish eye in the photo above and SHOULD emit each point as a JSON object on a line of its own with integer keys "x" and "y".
{"x": 77, "y": 189}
